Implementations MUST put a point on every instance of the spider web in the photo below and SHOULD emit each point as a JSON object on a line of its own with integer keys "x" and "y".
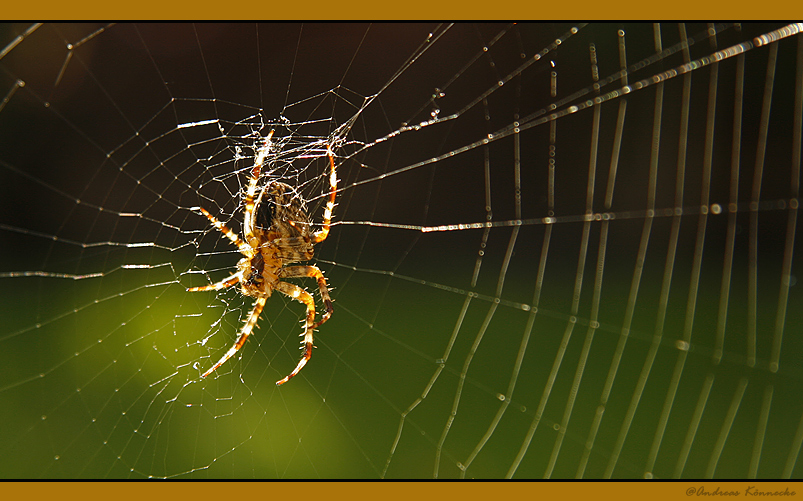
{"x": 558, "y": 250}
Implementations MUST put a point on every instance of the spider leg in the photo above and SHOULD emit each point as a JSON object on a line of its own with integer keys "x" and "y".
{"x": 321, "y": 235}
{"x": 302, "y": 296}
{"x": 251, "y": 200}
{"x": 259, "y": 304}
{"x": 312, "y": 272}
{"x": 225, "y": 230}
{"x": 226, "y": 282}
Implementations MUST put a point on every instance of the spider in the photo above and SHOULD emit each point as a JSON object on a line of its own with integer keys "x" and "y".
{"x": 267, "y": 252}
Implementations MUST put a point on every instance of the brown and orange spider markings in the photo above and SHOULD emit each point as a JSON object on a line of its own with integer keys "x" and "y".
{"x": 267, "y": 252}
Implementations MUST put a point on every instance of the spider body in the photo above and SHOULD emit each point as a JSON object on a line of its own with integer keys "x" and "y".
{"x": 284, "y": 238}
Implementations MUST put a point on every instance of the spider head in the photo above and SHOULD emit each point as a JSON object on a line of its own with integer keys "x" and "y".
{"x": 255, "y": 268}
{"x": 250, "y": 269}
